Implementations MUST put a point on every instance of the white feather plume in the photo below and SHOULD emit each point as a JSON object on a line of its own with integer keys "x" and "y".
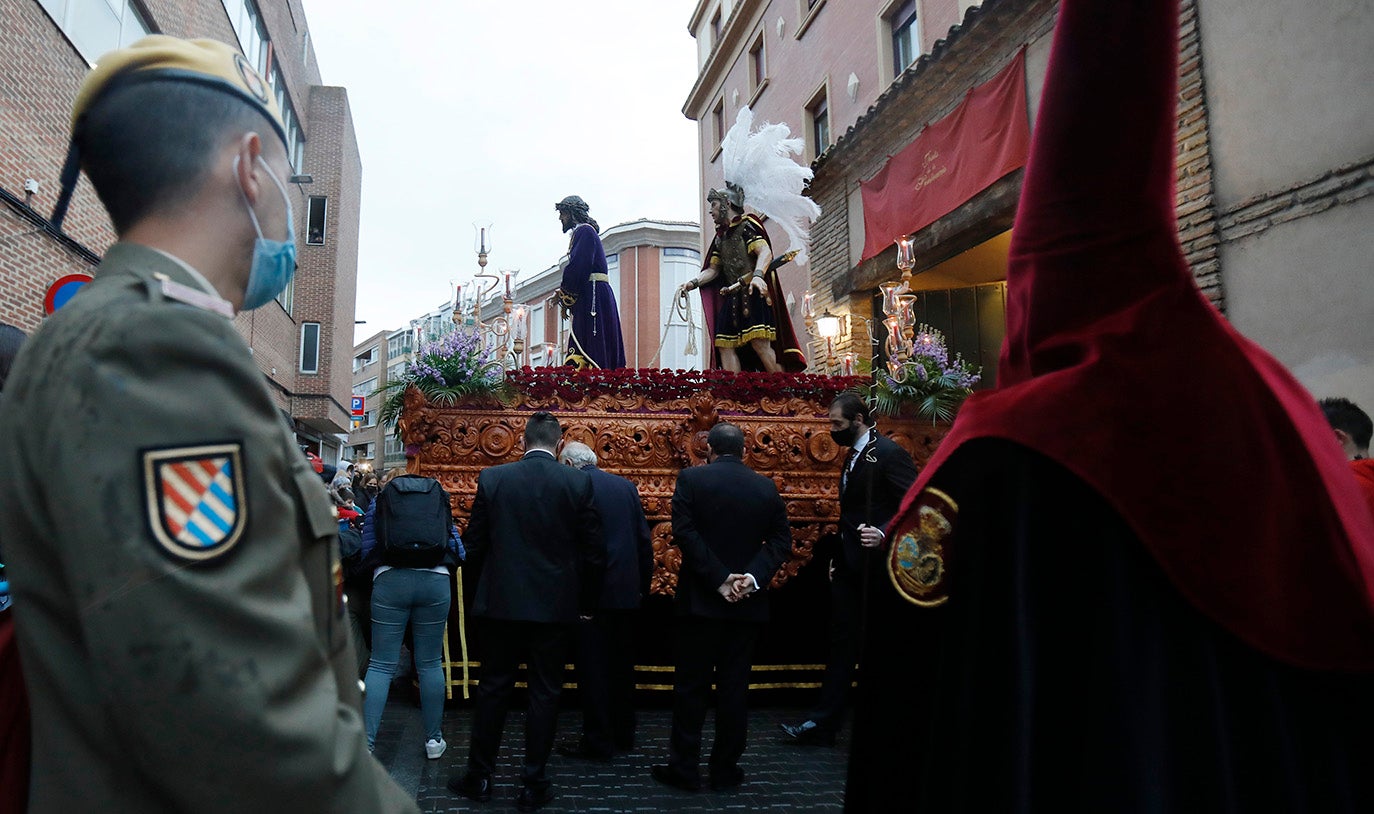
{"x": 760, "y": 163}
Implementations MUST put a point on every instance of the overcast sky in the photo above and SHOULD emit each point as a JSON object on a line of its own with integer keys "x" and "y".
{"x": 493, "y": 110}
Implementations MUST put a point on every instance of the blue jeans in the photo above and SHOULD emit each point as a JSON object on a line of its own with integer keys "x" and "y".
{"x": 422, "y": 598}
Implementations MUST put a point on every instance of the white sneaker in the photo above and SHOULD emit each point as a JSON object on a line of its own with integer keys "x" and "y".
{"x": 434, "y": 749}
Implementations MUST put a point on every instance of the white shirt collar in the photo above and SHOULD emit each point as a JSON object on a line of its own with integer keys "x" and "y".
{"x": 862, "y": 442}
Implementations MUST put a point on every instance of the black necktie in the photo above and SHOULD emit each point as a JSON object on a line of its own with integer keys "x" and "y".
{"x": 848, "y": 464}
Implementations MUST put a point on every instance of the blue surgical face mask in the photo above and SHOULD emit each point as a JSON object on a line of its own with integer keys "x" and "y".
{"x": 274, "y": 261}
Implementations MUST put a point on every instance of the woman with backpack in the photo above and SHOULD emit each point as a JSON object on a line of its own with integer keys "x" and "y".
{"x": 413, "y": 547}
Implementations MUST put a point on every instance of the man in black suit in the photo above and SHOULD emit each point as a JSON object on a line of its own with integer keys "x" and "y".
{"x": 605, "y": 643}
{"x": 536, "y": 536}
{"x": 874, "y": 478}
{"x": 731, "y": 526}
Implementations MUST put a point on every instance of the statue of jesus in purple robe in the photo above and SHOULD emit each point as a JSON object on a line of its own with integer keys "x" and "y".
{"x": 585, "y": 294}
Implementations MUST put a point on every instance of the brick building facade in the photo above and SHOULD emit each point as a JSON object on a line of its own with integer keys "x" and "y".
{"x": 961, "y": 257}
{"x": 1294, "y": 161}
{"x": 46, "y": 48}
{"x": 816, "y": 65}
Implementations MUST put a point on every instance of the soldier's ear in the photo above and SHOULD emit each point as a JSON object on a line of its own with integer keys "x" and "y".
{"x": 246, "y": 150}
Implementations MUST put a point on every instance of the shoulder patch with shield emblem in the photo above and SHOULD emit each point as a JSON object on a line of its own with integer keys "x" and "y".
{"x": 917, "y": 562}
{"x": 195, "y": 499}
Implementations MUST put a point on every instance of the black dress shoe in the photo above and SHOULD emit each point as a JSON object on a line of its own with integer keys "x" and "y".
{"x": 668, "y": 776}
{"x": 532, "y": 799}
{"x": 475, "y": 787}
{"x": 578, "y": 751}
{"x": 727, "y": 780}
{"x": 808, "y": 733}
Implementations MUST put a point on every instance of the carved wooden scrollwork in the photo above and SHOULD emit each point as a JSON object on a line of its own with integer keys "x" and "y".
{"x": 667, "y": 560}
{"x": 649, "y": 441}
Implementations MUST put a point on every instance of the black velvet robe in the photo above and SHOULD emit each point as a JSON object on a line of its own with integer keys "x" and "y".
{"x": 1066, "y": 673}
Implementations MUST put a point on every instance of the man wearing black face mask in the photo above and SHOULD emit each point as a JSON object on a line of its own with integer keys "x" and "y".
{"x": 875, "y": 475}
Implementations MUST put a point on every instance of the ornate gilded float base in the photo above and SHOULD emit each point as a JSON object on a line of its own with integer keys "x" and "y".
{"x": 648, "y": 438}
{"x": 650, "y": 441}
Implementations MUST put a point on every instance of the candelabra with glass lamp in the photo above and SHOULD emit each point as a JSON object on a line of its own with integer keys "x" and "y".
{"x": 899, "y": 309}
{"x": 899, "y": 317}
{"x": 507, "y": 333}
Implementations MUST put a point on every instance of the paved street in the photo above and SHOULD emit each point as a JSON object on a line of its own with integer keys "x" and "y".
{"x": 779, "y": 777}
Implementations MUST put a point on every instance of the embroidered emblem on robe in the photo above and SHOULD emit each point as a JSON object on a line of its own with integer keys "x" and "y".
{"x": 917, "y": 563}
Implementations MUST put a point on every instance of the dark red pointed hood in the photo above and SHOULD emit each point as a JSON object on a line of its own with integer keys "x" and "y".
{"x": 1116, "y": 367}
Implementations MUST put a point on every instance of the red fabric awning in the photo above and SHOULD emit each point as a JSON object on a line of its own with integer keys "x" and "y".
{"x": 981, "y": 140}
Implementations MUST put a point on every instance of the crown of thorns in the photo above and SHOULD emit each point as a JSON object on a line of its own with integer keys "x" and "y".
{"x": 573, "y": 203}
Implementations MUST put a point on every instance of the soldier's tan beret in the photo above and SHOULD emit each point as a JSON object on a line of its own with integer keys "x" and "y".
{"x": 161, "y": 58}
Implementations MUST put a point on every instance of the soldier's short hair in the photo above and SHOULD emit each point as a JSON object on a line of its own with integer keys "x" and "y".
{"x": 147, "y": 147}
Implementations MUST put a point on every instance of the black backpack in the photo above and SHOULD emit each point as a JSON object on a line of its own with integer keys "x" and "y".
{"x": 413, "y": 522}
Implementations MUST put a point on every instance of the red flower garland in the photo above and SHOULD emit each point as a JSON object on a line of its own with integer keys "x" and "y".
{"x": 569, "y": 384}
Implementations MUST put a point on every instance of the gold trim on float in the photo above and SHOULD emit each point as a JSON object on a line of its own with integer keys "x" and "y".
{"x": 467, "y": 681}
{"x": 462, "y": 633}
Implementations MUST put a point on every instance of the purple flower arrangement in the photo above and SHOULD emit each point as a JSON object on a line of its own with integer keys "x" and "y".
{"x": 930, "y": 380}
{"x": 455, "y": 367}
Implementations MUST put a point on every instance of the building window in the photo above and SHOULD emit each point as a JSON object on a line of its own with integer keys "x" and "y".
{"x": 436, "y": 326}
{"x": 678, "y": 266}
{"x": 715, "y": 27}
{"x": 536, "y": 326}
{"x": 718, "y": 122}
{"x": 807, "y": 10}
{"x": 310, "y": 347}
{"x": 287, "y": 298}
{"x": 758, "y": 66}
{"x": 905, "y": 42}
{"x": 818, "y": 122}
{"x": 97, "y": 27}
{"x": 398, "y": 345}
{"x": 393, "y": 445}
{"x": 257, "y": 47}
{"x": 369, "y": 420}
{"x": 314, "y": 220}
{"x": 365, "y": 388}
{"x": 396, "y": 371}
{"x": 362, "y": 360}
{"x": 364, "y": 452}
